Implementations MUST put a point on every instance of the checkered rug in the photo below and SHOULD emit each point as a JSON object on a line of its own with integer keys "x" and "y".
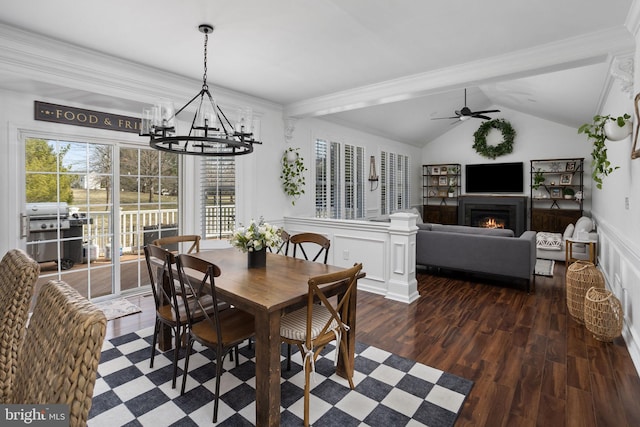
{"x": 390, "y": 390}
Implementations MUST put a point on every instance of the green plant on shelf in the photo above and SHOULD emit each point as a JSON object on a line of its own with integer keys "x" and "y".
{"x": 538, "y": 179}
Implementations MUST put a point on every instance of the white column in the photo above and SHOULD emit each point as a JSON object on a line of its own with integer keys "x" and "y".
{"x": 402, "y": 285}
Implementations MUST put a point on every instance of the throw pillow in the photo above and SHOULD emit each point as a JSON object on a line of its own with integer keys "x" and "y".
{"x": 568, "y": 232}
{"x": 549, "y": 241}
{"x": 583, "y": 224}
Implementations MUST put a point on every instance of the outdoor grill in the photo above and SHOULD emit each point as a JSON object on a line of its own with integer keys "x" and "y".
{"x": 44, "y": 221}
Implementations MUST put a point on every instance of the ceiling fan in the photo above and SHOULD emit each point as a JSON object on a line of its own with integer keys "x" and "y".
{"x": 465, "y": 113}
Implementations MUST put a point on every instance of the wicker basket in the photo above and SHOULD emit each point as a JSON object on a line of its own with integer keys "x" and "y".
{"x": 603, "y": 315}
{"x": 581, "y": 275}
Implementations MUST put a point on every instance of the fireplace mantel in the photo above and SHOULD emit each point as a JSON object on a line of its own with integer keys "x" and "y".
{"x": 516, "y": 206}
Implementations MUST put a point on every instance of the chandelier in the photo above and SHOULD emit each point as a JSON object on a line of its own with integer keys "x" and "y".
{"x": 210, "y": 133}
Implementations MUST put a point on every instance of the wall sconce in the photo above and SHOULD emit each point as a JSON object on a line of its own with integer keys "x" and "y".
{"x": 373, "y": 177}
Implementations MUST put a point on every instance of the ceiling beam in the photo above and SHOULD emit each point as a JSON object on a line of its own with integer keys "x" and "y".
{"x": 565, "y": 54}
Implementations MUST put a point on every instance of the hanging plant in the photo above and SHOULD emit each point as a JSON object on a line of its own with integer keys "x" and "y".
{"x": 292, "y": 174}
{"x": 601, "y": 165}
{"x": 491, "y": 151}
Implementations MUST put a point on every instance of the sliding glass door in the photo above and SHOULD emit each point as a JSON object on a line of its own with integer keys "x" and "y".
{"x": 91, "y": 207}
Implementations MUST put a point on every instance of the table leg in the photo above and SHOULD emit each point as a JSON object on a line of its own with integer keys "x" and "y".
{"x": 268, "y": 369}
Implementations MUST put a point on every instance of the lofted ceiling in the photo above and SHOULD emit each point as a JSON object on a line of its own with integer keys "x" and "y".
{"x": 385, "y": 67}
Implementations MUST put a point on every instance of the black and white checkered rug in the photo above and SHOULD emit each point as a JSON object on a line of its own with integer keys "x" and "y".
{"x": 390, "y": 390}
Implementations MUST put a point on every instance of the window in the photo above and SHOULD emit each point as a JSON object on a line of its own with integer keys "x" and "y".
{"x": 394, "y": 182}
{"x": 218, "y": 183}
{"x": 339, "y": 180}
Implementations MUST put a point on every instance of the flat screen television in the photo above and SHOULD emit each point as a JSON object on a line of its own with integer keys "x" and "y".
{"x": 494, "y": 178}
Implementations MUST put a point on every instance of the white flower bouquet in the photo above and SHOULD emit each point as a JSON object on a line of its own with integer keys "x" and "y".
{"x": 257, "y": 236}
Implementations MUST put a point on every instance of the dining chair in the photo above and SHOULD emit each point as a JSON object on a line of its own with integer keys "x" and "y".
{"x": 170, "y": 307}
{"x": 220, "y": 331}
{"x": 322, "y": 321}
{"x": 301, "y": 240}
{"x": 172, "y": 242}
{"x": 59, "y": 360}
{"x": 18, "y": 275}
{"x": 283, "y": 248}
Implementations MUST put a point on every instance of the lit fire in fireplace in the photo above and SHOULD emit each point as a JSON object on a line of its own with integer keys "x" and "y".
{"x": 492, "y": 223}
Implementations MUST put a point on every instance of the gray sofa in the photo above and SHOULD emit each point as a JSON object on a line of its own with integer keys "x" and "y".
{"x": 479, "y": 250}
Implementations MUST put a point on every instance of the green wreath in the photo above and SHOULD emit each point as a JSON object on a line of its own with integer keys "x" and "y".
{"x": 490, "y": 151}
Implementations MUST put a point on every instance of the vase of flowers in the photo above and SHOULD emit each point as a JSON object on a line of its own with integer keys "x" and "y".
{"x": 254, "y": 240}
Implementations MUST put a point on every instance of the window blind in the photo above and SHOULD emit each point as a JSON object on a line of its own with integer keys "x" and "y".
{"x": 218, "y": 184}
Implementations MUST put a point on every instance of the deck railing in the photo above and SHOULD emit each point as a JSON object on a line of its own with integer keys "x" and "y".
{"x": 138, "y": 228}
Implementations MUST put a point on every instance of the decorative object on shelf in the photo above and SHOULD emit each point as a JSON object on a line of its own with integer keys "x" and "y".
{"x": 292, "y": 174}
{"x": 210, "y": 132}
{"x": 568, "y": 193}
{"x": 578, "y": 195}
{"x": 254, "y": 240}
{"x": 373, "y": 176}
{"x": 566, "y": 178}
{"x": 538, "y": 179}
{"x": 595, "y": 132}
{"x": 581, "y": 276}
{"x": 603, "y": 315}
{"x": 490, "y": 151}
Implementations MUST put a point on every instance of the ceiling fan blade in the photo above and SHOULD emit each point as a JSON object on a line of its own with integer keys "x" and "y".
{"x": 486, "y": 111}
{"x": 480, "y": 116}
{"x": 445, "y": 118}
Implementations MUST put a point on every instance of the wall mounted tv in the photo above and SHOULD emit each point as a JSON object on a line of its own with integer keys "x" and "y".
{"x": 494, "y": 178}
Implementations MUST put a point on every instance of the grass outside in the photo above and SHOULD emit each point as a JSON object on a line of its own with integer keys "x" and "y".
{"x": 128, "y": 199}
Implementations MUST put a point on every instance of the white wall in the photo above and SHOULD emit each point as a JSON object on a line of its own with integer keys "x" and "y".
{"x": 308, "y": 130}
{"x": 535, "y": 139}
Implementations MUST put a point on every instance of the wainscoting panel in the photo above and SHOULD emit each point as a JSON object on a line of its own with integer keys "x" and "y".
{"x": 619, "y": 263}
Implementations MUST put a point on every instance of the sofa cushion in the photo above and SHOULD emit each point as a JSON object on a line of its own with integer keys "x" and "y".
{"x": 424, "y": 226}
{"x": 463, "y": 229}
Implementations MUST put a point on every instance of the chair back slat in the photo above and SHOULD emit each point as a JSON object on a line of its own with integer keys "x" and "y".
{"x": 283, "y": 249}
{"x": 163, "y": 284}
{"x": 298, "y": 241}
{"x": 199, "y": 289}
{"x": 339, "y": 312}
{"x": 174, "y": 241}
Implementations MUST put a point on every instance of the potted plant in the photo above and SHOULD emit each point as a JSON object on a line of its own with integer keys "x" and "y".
{"x": 451, "y": 191}
{"x": 568, "y": 192}
{"x": 618, "y": 128}
{"x": 292, "y": 174}
{"x": 601, "y": 166}
{"x": 538, "y": 179}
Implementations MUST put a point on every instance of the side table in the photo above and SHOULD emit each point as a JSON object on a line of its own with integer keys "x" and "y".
{"x": 569, "y": 250}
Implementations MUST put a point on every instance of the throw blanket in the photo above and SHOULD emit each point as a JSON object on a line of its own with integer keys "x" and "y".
{"x": 549, "y": 241}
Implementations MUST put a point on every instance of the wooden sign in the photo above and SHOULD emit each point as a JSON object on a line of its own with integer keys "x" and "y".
{"x": 87, "y": 118}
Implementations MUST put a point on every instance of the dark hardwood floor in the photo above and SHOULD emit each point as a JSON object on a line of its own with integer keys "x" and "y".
{"x": 532, "y": 364}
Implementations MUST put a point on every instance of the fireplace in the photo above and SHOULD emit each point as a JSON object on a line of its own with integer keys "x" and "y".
{"x": 494, "y": 212}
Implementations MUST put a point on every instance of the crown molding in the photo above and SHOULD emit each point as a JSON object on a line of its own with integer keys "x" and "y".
{"x": 564, "y": 54}
{"x": 28, "y": 56}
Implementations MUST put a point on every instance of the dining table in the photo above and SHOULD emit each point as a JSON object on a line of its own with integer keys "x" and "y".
{"x": 267, "y": 293}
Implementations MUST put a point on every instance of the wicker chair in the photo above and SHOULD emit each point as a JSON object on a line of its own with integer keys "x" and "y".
{"x": 18, "y": 275}
{"x": 61, "y": 352}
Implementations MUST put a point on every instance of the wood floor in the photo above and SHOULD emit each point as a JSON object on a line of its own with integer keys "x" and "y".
{"x": 532, "y": 364}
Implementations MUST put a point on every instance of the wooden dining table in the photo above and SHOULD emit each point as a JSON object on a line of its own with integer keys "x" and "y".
{"x": 267, "y": 293}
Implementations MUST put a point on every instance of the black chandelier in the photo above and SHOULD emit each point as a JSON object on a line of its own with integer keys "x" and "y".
{"x": 210, "y": 134}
